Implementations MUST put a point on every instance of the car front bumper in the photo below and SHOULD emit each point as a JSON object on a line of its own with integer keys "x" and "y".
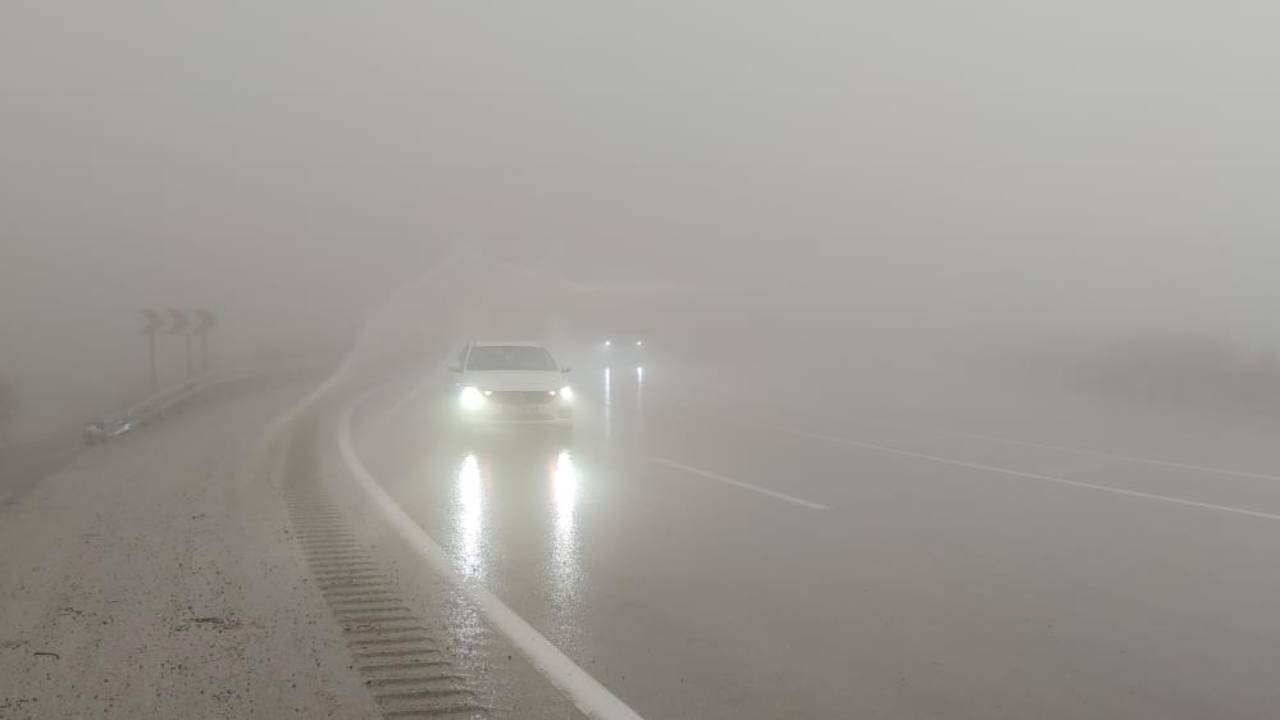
{"x": 493, "y": 414}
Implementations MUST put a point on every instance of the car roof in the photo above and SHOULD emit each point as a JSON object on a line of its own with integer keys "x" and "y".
{"x": 506, "y": 343}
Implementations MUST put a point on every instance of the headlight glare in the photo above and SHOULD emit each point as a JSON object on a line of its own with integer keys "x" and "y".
{"x": 471, "y": 398}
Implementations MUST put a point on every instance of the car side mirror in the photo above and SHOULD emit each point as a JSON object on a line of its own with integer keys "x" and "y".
{"x": 566, "y": 369}
{"x": 455, "y": 368}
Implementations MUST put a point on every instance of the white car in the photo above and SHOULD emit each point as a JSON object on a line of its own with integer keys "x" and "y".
{"x": 511, "y": 382}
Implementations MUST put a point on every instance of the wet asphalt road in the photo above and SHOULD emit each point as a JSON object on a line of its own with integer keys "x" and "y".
{"x": 708, "y": 564}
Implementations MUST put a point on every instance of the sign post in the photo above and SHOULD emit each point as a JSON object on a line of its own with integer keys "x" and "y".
{"x": 179, "y": 327}
{"x": 204, "y": 323}
{"x": 154, "y": 323}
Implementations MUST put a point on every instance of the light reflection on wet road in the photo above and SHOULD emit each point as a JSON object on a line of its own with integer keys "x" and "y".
{"x": 607, "y": 395}
{"x": 470, "y": 517}
{"x": 925, "y": 590}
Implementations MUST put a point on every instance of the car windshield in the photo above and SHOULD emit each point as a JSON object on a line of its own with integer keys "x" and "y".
{"x": 510, "y": 357}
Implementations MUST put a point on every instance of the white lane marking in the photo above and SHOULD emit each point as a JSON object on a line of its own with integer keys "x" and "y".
{"x": 412, "y": 395}
{"x": 1029, "y": 475}
{"x": 592, "y": 698}
{"x": 944, "y": 432}
{"x": 1116, "y": 456}
{"x": 739, "y": 483}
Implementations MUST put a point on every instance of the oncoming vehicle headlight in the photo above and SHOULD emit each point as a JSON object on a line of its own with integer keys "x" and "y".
{"x": 471, "y": 398}
{"x": 566, "y": 393}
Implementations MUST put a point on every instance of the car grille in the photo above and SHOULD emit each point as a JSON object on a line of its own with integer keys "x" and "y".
{"x": 521, "y": 397}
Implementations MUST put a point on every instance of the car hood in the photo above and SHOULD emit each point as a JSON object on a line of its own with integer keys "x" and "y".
{"x": 514, "y": 380}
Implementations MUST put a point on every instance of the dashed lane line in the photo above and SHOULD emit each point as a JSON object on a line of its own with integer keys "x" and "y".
{"x": 740, "y": 484}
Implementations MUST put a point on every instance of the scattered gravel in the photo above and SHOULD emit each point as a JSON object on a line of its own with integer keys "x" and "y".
{"x": 153, "y": 577}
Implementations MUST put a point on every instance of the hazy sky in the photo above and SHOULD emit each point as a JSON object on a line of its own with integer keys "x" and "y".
{"x": 1070, "y": 162}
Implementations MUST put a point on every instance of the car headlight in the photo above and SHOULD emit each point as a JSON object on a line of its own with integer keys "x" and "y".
{"x": 471, "y": 398}
{"x": 566, "y": 393}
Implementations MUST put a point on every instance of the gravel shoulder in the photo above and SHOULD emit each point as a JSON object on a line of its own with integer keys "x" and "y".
{"x": 155, "y": 577}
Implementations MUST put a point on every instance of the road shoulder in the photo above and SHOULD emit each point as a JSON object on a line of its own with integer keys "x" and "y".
{"x": 155, "y": 577}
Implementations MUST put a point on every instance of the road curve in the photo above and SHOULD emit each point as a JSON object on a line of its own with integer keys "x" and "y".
{"x": 348, "y": 552}
{"x": 707, "y": 564}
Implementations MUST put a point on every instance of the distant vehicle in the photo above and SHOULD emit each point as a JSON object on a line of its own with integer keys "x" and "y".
{"x": 511, "y": 382}
{"x": 623, "y": 350}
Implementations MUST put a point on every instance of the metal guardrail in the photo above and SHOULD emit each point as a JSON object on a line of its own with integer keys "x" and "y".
{"x": 158, "y": 404}
{"x": 147, "y": 409}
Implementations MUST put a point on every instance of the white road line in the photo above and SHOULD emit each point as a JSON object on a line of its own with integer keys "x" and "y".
{"x": 944, "y": 432}
{"x": 412, "y": 395}
{"x": 1116, "y": 456}
{"x": 586, "y": 692}
{"x": 739, "y": 483}
{"x": 1029, "y": 475}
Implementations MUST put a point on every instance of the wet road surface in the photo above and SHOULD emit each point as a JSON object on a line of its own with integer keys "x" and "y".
{"x": 708, "y": 564}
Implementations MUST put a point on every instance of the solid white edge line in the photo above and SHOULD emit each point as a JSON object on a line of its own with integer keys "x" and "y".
{"x": 1029, "y": 475}
{"x": 586, "y": 692}
{"x": 739, "y": 483}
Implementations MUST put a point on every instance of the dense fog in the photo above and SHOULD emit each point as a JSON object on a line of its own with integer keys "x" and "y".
{"x": 1001, "y": 184}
